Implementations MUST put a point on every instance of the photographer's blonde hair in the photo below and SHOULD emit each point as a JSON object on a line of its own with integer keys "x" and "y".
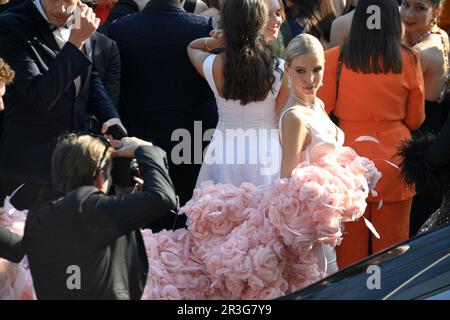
{"x": 76, "y": 159}
{"x": 303, "y": 44}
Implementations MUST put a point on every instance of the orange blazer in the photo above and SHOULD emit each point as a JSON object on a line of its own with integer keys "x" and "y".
{"x": 383, "y": 106}
{"x": 444, "y": 21}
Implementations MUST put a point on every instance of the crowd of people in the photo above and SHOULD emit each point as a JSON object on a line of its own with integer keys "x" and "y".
{"x": 237, "y": 149}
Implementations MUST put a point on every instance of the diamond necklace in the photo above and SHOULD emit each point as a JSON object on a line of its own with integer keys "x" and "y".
{"x": 423, "y": 36}
{"x": 301, "y": 101}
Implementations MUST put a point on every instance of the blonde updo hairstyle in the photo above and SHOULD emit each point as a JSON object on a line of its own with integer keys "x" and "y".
{"x": 303, "y": 44}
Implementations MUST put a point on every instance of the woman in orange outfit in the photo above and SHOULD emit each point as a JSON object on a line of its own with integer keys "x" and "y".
{"x": 444, "y": 21}
{"x": 380, "y": 94}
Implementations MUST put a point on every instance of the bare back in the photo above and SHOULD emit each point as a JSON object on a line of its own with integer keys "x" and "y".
{"x": 340, "y": 29}
{"x": 434, "y": 66}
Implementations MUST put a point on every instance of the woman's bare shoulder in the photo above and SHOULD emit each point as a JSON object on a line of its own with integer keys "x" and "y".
{"x": 431, "y": 50}
{"x": 293, "y": 119}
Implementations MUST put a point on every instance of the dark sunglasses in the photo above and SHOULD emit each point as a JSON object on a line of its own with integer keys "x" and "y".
{"x": 107, "y": 145}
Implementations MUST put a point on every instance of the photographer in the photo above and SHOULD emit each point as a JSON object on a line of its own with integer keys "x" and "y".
{"x": 84, "y": 244}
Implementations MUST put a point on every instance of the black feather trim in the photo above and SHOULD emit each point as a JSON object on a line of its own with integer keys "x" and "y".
{"x": 416, "y": 170}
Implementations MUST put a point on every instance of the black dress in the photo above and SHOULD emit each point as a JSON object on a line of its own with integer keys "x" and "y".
{"x": 426, "y": 203}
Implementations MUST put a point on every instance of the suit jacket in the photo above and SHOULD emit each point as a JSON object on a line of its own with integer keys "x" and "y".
{"x": 106, "y": 59}
{"x": 125, "y": 7}
{"x": 42, "y": 104}
{"x": 99, "y": 234}
{"x": 11, "y": 4}
{"x": 160, "y": 90}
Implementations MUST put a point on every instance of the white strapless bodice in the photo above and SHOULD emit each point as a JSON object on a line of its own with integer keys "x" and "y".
{"x": 245, "y": 146}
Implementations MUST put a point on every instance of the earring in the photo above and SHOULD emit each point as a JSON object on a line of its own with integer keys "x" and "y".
{"x": 289, "y": 82}
{"x": 434, "y": 21}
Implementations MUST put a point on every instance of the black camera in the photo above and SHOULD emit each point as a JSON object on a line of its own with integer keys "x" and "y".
{"x": 123, "y": 171}
{"x": 117, "y": 132}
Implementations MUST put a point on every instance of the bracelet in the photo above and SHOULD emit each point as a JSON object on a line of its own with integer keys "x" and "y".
{"x": 208, "y": 49}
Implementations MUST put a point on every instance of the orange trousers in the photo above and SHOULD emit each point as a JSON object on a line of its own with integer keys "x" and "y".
{"x": 391, "y": 222}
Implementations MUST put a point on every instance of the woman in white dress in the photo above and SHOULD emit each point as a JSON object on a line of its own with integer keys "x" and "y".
{"x": 304, "y": 125}
{"x": 247, "y": 81}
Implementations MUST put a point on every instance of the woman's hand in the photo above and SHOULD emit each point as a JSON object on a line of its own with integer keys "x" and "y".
{"x": 218, "y": 39}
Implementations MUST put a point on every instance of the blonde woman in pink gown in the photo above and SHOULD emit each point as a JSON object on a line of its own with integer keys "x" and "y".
{"x": 304, "y": 125}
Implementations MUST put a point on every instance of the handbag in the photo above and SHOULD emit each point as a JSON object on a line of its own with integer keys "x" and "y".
{"x": 338, "y": 78}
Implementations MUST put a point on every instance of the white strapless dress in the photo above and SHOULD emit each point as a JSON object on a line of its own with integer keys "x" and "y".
{"x": 245, "y": 146}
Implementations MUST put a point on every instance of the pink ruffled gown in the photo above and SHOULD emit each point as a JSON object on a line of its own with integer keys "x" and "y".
{"x": 15, "y": 278}
{"x": 246, "y": 241}
{"x": 326, "y": 139}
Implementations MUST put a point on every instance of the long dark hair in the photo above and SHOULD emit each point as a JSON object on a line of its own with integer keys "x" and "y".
{"x": 349, "y": 6}
{"x": 318, "y": 14}
{"x": 214, "y": 4}
{"x": 249, "y": 62}
{"x": 377, "y": 49}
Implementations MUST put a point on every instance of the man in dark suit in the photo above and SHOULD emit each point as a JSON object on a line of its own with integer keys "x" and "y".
{"x": 160, "y": 90}
{"x": 51, "y": 90}
{"x": 84, "y": 244}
